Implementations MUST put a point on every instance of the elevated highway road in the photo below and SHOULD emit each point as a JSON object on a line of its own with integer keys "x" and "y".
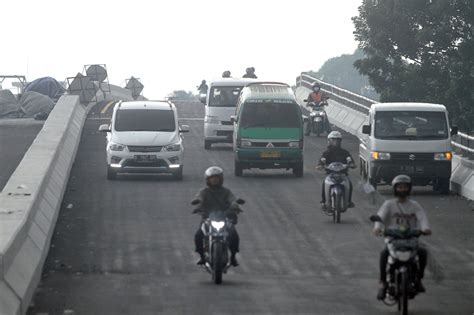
{"x": 126, "y": 246}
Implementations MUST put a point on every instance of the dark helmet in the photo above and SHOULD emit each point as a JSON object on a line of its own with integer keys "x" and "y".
{"x": 203, "y": 82}
{"x": 226, "y": 74}
{"x": 316, "y": 86}
{"x": 214, "y": 171}
{"x": 248, "y": 70}
{"x": 401, "y": 179}
{"x": 335, "y": 139}
{"x": 252, "y": 69}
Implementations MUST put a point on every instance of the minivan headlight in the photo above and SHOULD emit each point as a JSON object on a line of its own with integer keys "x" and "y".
{"x": 116, "y": 146}
{"x": 380, "y": 156}
{"x": 172, "y": 147}
{"x": 245, "y": 143}
{"x": 445, "y": 156}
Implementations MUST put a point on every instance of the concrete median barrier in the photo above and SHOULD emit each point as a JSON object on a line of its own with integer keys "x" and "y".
{"x": 30, "y": 202}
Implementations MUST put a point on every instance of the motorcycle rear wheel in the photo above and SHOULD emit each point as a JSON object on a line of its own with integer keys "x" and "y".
{"x": 337, "y": 209}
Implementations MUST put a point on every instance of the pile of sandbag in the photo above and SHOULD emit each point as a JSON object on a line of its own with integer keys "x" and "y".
{"x": 9, "y": 105}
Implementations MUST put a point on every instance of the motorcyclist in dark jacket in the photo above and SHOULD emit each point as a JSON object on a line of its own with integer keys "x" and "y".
{"x": 216, "y": 197}
{"x": 335, "y": 153}
{"x": 203, "y": 87}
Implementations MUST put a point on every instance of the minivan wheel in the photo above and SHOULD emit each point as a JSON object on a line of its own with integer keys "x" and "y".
{"x": 111, "y": 174}
{"x": 298, "y": 170}
{"x": 373, "y": 182}
{"x": 207, "y": 144}
{"x": 442, "y": 186}
{"x": 238, "y": 170}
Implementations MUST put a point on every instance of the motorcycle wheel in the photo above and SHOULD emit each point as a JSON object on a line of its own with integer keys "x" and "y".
{"x": 403, "y": 297}
{"x": 217, "y": 264}
{"x": 337, "y": 209}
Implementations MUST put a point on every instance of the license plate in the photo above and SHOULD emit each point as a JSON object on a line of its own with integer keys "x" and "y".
{"x": 270, "y": 154}
{"x": 145, "y": 158}
{"x": 412, "y": 169}
{"x": 318, "y": 119}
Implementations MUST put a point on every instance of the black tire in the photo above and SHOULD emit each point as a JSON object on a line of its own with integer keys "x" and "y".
{"x": 179, "y": 175}
{"x": 403, "y": 298}
{"x": 238, "y": 170}
{"x": 372, "y": 181}
{"x": 442, "y": 186}
{"x": 207, "y": 144}
{"x": 337, "y": 209}
{"x": 217, "y": 262}
{"x": 111, "y": 174}
{"x": 298, "y": 170}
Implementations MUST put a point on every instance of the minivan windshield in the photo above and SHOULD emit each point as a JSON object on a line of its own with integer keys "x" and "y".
{"x": 410, "y": 125}
{"x": 270, "y": 114}
{"x": 145, "y": 120}
{"x": 224, "y": 96}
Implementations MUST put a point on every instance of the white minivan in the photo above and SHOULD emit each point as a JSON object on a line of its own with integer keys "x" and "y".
{"x": 144, "y": 137}
{"x": 220, "y": 102}
{"x": 407, "y": 138}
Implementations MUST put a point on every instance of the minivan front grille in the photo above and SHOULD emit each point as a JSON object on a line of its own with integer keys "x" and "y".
{"x": 133, "y": 148}
{"x": 412, "y": 157}
{"x": 270, "y": 144}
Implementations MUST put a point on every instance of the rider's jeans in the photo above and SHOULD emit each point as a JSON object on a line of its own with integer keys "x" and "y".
{"x": 422, "y": 260}
{"x": 233, "y": 240}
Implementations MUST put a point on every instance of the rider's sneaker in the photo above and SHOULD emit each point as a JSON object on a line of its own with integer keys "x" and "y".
{"x": 382, "y": 291}
{"x": 351, "y": 205}
{"x": 201, "y": 261}
{"x": 419, "y": 287}
{"x": 324, "y": 207}
{"x": 233, "y": 261}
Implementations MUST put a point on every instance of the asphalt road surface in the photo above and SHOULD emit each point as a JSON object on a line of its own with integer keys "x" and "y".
{"x": 16, "y": 136}
{"x": 126, "y": 246}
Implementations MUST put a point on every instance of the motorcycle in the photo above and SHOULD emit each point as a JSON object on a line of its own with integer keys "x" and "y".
{"x": 317, "y": 117}
{"x": 337, "y": 188}
{"x": 216, "y": 248}
{"x": 402, "y": 266}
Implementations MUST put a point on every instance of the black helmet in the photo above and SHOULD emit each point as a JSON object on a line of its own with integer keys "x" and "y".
{"x": 401, "y": 179}
{"x": 226, "y": 74}
{"x": 316, "y": 85}
{"x": 214, "y": 171}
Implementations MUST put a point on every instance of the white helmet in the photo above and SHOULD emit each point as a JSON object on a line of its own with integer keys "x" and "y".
{"x": 214, "y": 171}
{"x": 334, "y": 135}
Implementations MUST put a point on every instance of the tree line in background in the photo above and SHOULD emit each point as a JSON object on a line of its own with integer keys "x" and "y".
{"x": 420, "y": 51}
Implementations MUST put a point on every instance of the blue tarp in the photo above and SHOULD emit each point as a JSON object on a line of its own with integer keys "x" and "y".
{"x": 46, "y": 86}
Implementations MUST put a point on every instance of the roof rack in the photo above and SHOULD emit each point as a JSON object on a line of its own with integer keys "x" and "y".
{"x": 267, "y": 82}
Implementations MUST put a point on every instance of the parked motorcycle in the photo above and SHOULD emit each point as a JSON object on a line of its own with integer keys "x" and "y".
{"x": 402, "y": 266}
{"x": 216, "y": 248}
{"x": 337, "y": 188}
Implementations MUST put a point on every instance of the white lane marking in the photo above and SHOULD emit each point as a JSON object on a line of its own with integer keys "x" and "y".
{"x": 192, "y": 118}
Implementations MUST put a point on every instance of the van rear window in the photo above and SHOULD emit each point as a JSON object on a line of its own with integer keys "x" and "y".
{"x": 145, "y": 120}
{"x": 410, "y": 125}
{"x": 224, "y": 96}
{"x": 270, "y": 115}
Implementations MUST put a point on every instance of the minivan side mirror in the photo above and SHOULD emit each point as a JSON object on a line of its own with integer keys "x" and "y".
{"x": 233, "y": 118}
{"x": 104, "y": 128}
{"x": 454, "y": 130}
{"x": 366, "y": 129}
{"x": 184, "y": 128}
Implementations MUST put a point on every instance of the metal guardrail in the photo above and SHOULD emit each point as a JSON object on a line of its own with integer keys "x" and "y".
{"x": 463, "y": 144}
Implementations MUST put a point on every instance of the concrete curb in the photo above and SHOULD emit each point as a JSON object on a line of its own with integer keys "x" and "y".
{"x": 30, "y": 202}
{"x": 351, "y": 121}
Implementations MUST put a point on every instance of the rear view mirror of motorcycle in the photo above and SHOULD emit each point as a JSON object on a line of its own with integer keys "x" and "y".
{"x": 195, "y": 202}
{"x": 375, "y": 218}
{"x": 240, "y": 201}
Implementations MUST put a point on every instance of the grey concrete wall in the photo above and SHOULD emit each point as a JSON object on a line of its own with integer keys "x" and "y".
{"x": 350, "y": 120}
{"x": 30, "y": 202}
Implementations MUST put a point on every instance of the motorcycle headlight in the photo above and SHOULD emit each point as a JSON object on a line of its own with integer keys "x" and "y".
{"x": 218, "y": 225}
{"x": 403, "y": 255}
{"x": 446, "y": 156}
{"x": 312, "y": 114}
{"x": 116, "y": 146}
{"x": 172, "y": 147}
{"x": 380, "y": 155}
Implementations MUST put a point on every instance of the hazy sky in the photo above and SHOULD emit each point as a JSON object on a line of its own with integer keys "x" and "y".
{"x": 174, "y": 44}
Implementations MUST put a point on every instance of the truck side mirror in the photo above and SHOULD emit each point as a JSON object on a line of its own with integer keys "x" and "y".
{"x": 366, "y": 129}
{"x": 454, "y": 130}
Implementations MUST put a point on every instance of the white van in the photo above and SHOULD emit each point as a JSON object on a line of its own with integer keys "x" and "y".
{"x": 407, "y": 138}
{"x": 144, "y": 137}
{"x": 220, "y": 102}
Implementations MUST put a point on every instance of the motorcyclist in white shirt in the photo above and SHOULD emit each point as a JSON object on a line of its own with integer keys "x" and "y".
{"x": 400, "y": 213}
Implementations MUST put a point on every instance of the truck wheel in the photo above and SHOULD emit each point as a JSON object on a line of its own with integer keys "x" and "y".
{"x": 442, "y": 186}
{"x": 111, "y": 174}
{"x": 373, "y": 182}
{"x": 238, "y": 169}
{"x": 207, "y": 144}
{"x": 298, "y": 170}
